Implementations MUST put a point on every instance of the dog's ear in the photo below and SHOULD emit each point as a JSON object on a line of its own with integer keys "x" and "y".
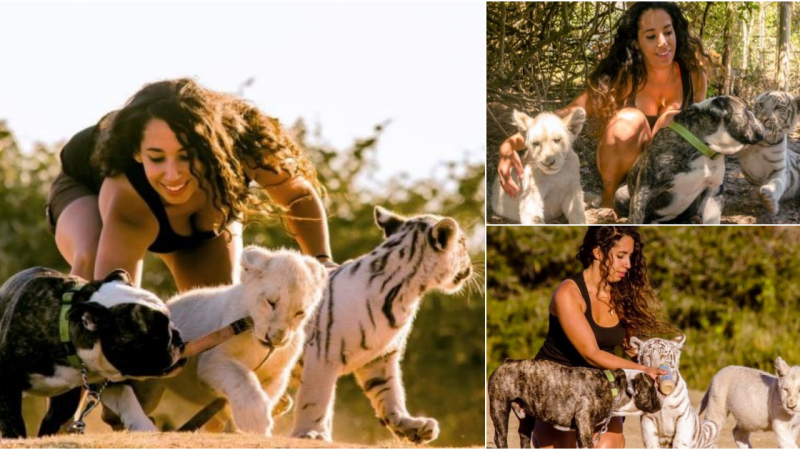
{"x": 574, "y": 122}
{"x": 92, "y": 316}
{"x": 720, "y": 107}
{"x": 118, "y": 275}
{"x": 523, "y": 121}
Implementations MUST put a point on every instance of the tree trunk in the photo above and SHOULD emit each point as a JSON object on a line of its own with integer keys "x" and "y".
{"x": 762, "y": 19}
{"x": 745, "y": 43}
{"x": 728, "y": 48}
{"x": 705, "y": 16}
{"x": 784, "y": 30}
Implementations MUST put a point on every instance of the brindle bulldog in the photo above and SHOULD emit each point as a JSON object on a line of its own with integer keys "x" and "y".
{"x": 674, "y": 182}
{"x": 110, "y": 328}
{"x": 568, "y": 398}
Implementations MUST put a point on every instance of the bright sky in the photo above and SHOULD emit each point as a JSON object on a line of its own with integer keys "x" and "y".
{"x": 344, "y": 66}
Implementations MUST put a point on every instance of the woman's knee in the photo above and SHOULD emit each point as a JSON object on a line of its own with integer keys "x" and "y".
{"x": 628, "y": 128}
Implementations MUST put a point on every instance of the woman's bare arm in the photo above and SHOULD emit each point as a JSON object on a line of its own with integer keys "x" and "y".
{"x": 129, "y": 227}
{"x": 568, "y": 307}
{"x": 306, "y": 218}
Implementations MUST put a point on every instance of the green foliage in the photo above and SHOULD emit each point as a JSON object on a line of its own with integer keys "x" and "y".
{"x": 730, "y": 289}
{"x": 444, "y": 362}
{"x": 539, "y": 54}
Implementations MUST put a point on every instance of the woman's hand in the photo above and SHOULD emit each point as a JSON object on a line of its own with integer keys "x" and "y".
{"x": 654, "y": 372}
{"x": 509, "y": 160}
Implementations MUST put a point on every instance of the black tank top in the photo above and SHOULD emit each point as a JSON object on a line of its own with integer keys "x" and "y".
{"x": 558, "y": 348}
{"x": 76, "y": 162}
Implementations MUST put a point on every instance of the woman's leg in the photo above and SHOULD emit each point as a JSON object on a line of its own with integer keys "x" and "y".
{"x": 78, "y": 233}
{"x": 613, "y": 438}
{"x": 619, "y": 146}
{"x": 212, "y": 263}
{"x": 545, "y": 436}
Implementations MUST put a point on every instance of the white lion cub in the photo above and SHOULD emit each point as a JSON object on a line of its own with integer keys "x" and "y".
{"x": 758, "y": 401}
{"x": 551, "y": 183}
{"x": 279, "y": 291}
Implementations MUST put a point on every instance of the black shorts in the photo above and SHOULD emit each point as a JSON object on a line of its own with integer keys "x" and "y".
{"x": 63, "y": 191}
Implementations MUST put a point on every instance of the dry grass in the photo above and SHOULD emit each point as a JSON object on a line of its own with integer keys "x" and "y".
{"x": 100, "y": 435}
{"x": 170, "y": 440}
{"x": 742, "y": 205}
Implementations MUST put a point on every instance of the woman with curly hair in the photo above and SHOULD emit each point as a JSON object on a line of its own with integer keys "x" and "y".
{"x": 169, "y": 173}
{"x": 655, "y": 68}
{"x": 595, "y": 311}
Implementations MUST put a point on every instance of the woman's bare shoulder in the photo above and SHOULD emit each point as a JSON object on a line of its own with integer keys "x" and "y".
{"x": 567, "y": 294}
{"x": 119, "y": 199}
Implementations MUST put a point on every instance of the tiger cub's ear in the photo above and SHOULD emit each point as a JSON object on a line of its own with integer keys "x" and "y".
{"x": 443, "y": 234}
{"x": 388, "y": 221}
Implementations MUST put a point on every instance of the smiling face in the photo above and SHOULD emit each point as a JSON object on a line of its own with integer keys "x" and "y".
{"x": 166, "y": 163}
{"x": 619, "y": 259}
{"x": 656, "y": 38}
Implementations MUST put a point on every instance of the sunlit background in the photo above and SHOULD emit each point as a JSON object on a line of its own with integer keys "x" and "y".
{"x": 344, "y": 66}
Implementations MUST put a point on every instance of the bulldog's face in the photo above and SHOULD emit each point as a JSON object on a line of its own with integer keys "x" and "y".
{"x": 735, "y": 125}
{"x": 123, "y": 331}
{"x": 640, "y": 396}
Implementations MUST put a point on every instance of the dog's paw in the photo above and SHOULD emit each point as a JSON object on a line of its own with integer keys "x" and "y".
{"x": 767, "y": 196}
{"x": 313, "y": 435}
{"x": 419, "y": 430}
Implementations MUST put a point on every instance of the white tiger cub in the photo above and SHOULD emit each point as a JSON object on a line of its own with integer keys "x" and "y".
{"x": 770, "y": 164}
{"x": 677, "y": 425}
{"x": 365, "y": 318}
{"x": 759, "y": 401}
{"x": 551, "y": 184}
{"x": 279, "y": 290}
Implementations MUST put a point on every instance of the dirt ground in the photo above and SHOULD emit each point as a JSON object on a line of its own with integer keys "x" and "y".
{"x": 742, "y": 205}
{"x": 633, "y": 435}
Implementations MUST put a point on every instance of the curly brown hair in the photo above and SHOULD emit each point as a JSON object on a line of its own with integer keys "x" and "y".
{"x": 633, "y": 298}
{"x": 223, "y": 132}
{"x": 623, "y": 70}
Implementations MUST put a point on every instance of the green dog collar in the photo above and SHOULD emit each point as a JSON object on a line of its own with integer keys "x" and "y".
{"x": 692, "y": 139}
{"x": 610, "y": 377}
{"x": 63, "y": 327}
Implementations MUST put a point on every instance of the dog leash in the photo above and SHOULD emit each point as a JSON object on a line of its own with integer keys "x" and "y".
{"x": 692, "y": 139}
{"x": 206, "y": 343}
{"x": 217, "y": 337}
{"x": 68, "y": 349}
{"x": 93, "y": 399}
